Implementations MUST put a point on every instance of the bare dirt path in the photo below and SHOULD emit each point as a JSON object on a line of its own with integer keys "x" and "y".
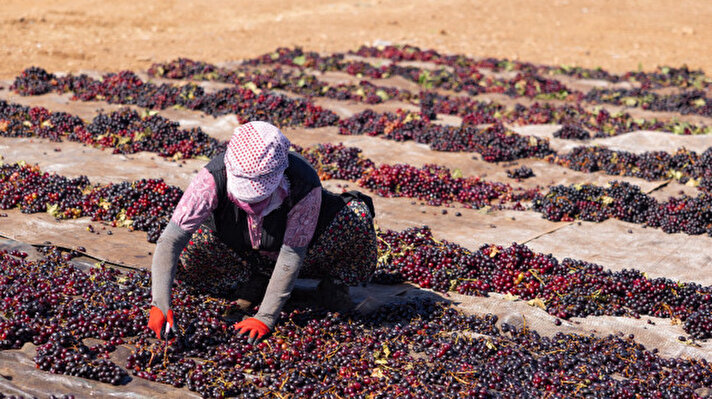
{"x": 71, "y": 35}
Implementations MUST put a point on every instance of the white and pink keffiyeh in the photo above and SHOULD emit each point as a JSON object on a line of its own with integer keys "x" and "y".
{"x": 255, "y": 161}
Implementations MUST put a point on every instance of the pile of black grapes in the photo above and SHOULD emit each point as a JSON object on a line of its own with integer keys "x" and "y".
{"x": 570, "y": 288}
{"x": 572, "y": 132}
{"x": 434, "y": 184}
{"x": 494, "y": 143}
{"x": 55, "y": 305}
{"x": 145, "y": 205}
{"x": 336, "y": 161}
{"x": 125, "y": 131}
{"x": 624, "y": 201}
{"x": 681, "y": 165}
{"x": 686, "y": 102}
{"x": 520, "y": 173}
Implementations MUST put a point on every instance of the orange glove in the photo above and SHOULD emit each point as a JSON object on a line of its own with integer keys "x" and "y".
{"x": 255, "y": 329}
{"x": 157, "y": 321}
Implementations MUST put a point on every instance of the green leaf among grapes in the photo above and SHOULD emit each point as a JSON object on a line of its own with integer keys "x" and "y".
{"x": 299, "y": 60}
{"x": 382, "y": 94}
{"x": 53, "y": 209}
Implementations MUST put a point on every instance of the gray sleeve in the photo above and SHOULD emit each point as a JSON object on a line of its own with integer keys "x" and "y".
{"x": 165, "y": 260}
{"x": 281, "y": 284}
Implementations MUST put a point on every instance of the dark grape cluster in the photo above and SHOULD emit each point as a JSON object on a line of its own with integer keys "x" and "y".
{"x": 699, "y": 323}
{"x": 682, "y": 165}
{"x": 336, "y": 161}
{"x": 665, "y": 76}
{"x": 55, "y": 305}
{"x": 689, "y": 215}
{"x": 572, "y": 132}
{"x": 34, "y": 81}
{"x": 297, "y": 57}
{"x": 65, "y": 354}
{"x": 125, "y": 131}
{"x": 533, "y": 86}
{"x": 520, "y": 173}
{"x": 20, "y": 121}
{"x": 247, "y": 103}
{"x": 686, "y": 102}
{"x": 434, "y": 184}
{"x": 494, "y": 143}
{"x": 619, "y": 200}
{"x": 624, "y": 201}
{"x": 145, "y": 204}
{"x": 31, "y": 190}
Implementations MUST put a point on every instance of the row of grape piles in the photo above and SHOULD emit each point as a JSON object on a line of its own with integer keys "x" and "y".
{"x": 125, "y": 131}
{"x": 494, "y": 143}
{"x": 148, "y": 204}
{"x": 473, "y": 111}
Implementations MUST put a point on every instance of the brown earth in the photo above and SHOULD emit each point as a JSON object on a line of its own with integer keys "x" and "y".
{"x": 620, "y": 35}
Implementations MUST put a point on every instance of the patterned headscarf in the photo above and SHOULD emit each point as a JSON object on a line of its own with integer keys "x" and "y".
{"x": 255, "y": 161}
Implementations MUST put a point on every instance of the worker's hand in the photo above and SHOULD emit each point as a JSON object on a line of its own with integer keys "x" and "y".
{"x": 157, "y": 321}
{"x": 253, "y": 328}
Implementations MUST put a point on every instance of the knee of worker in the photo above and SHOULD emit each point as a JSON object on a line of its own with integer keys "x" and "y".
{"x": 347, "y": 251}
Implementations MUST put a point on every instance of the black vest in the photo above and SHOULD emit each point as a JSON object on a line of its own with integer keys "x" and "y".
{"x": 231, "y": 221}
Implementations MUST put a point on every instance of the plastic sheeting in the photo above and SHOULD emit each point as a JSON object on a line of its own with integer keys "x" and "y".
{"x": 19, "y": 376}
{"x": 123, "y": 247}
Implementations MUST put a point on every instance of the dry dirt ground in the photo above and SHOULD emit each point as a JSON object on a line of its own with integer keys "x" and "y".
{"x": 620, "y": 35}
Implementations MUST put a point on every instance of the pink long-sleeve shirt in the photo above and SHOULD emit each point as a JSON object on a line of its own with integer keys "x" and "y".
{"x": 201, "y": 198}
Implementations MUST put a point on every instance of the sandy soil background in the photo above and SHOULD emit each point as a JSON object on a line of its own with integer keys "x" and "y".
{"x": 71, "y": 35}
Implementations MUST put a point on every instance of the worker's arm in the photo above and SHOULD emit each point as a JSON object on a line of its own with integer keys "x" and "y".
{"x": 301, "y": 224}
{"x": 194, "y": 207}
